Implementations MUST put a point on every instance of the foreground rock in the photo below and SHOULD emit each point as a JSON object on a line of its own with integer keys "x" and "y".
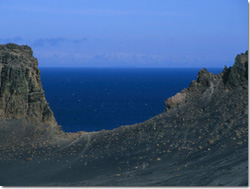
{"x": 200, "y": 140}
{"x": 21, "y": 93}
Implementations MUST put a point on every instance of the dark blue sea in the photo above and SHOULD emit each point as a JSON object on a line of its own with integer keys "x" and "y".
{"x": 92, "y": 99}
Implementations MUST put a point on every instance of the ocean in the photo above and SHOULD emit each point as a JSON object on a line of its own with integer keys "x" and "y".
{"x": 92, "y": 99}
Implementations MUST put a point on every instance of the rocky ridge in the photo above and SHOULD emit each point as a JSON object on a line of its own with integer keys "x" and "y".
{"x": 207, "y": 83}
{"x": 21, "y": 93}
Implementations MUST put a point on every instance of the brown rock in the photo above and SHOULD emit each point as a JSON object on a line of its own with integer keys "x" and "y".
{"x": 21, "y": 93}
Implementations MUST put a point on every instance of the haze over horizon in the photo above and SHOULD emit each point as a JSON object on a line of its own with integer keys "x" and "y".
{"x": 141, "y": 33}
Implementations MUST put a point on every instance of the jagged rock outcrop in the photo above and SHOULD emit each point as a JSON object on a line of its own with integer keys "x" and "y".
{"x": 232, "y": 77}
{"x": 237, "y": 75}
{"x": 21, "y": 93}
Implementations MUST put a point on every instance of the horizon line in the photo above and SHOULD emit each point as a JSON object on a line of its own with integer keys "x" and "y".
{"x": 125, "y": 67}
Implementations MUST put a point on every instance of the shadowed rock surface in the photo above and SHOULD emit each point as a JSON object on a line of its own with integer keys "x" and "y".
{"x": 200, "y": 140}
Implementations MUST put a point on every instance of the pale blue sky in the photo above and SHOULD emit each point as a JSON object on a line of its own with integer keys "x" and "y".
{"x": 131, "y": 33}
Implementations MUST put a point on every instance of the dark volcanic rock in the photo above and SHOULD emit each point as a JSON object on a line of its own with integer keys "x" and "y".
{"x": 21, "y": 93}
{"x": 238, "y": 74}
{"x": 208, "y": 83}
{"x": 204, "y": 78}
{"x": 201, "y": 140}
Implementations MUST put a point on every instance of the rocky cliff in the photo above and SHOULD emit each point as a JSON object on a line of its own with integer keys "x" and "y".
{"x": 21, "y": 93}
{"x": 207, "y": 84}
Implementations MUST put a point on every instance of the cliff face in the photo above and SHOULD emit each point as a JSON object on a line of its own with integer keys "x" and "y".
{"x": 21, "y": 93}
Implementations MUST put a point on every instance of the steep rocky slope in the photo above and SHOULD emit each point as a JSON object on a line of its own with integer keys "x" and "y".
{"x": 200, "y": 140}
{"x": 21, "y": 93}
{"x": 208, "y": 86}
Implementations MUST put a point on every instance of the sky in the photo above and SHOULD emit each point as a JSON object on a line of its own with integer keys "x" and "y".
{"x": 131, "y": 33}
